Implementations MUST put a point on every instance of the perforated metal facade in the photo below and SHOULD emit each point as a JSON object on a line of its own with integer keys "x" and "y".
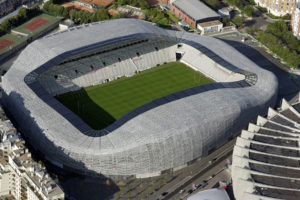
{"x": 163, "y": 134}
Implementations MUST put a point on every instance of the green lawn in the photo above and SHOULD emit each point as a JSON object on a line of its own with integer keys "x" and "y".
{"x": 16, "y": 39}
{"x": 99, "y": 106}
{"x": 50, "y": 18}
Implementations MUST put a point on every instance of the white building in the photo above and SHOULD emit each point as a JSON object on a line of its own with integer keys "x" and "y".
{"x": 295, "y": 21}
{"x": 277, "y": 7}
{"x": 20, "y": 176}
{"x": 210, "y": 27}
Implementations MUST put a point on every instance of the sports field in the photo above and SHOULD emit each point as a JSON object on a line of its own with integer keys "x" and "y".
{"x": 5, "y": 43}
{"x": 99, "y": 106}
{"x": 37, "y": 24}
{"x": 9, "y": 41}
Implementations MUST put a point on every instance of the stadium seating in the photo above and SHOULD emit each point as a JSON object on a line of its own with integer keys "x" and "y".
{"x": 108, "y": 66}
{"x": 127, "y": 61}
{"x": 199, "y": 61}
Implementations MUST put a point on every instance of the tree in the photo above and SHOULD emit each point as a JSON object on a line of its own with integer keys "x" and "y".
{"x": 236, "y": 3}
{"x": 73, "y": 14}
{"x": 225, "y": 21}
{"x": 252, "y": 2}
{"x": 2, "y": 31}
{"x": 46, "y": 5}
{"x": 278, "y": 27}
{"x": 248, "y": 11}
{"x": 6, "y": 25}
{"x": 65, "y": 13}
{"x": 237, "y": 20}
{"x": 102, "y": 14}
{"x": 212, "y": 3}
{"x": 23, "y": 12}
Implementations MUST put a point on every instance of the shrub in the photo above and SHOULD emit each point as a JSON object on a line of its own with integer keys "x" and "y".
{"x": 248, "y": 11}
{"x": 225, "y": 21}
{"x": 236, "y": 3}
{"x": 252, "y": 2}
{"x": 237, "y": 20}
{"x": 212, "y": 3}
{"x": 261, "y": 9}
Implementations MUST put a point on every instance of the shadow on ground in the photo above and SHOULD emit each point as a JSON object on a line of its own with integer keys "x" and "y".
{"x": 90, "y": 112}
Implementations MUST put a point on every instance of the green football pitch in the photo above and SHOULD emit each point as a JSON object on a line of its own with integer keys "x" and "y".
{"x": 101, "y": 105}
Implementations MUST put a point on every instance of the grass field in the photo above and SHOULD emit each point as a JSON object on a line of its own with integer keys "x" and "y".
{"x": 20, "y": 39}
{"x": 99, "y": 106}
{"x": 15, "y": 39}
{"x": 51, "y": 20}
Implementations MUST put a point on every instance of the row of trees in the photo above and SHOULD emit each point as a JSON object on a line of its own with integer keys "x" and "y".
{"x": 79, "y": 17}
{"x": 22, "y": 16}
{"x": 281, "y": 30}
{"x": 280, "y": 41}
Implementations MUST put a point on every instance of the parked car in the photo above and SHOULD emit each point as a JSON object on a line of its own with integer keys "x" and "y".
{"x": 181, "y": 191}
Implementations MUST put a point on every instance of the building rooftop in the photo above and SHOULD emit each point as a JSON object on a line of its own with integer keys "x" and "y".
{"x": 209, "y": 24}
{"x": 13, "y": 149}
{"x": 3, "y": 160}
{"x": 195, "y": 9}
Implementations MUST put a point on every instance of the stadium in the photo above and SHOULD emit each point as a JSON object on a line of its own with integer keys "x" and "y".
{"x": 167, "y": 131}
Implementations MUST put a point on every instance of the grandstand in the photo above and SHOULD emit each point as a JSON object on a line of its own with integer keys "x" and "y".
{"x": 266, "y": 156}
{"x": 163, "y": 134}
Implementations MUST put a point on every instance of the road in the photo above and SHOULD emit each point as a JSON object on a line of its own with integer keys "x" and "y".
{"x": 197, "y": 172}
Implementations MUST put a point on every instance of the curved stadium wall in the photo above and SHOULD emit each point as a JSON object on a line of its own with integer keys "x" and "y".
{"x": 163, "y": 134}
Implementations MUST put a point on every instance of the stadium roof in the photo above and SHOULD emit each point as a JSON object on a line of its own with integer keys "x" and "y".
{"x": 195, "y": 9}
{"x": 168, "y": 133}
